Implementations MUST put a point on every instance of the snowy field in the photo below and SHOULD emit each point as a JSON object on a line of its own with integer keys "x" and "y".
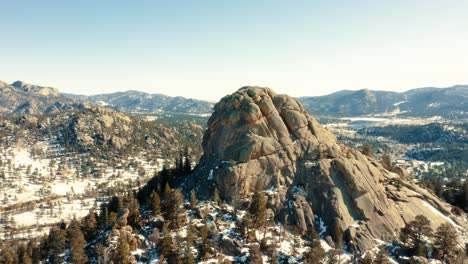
{"x": 39, "y": 192}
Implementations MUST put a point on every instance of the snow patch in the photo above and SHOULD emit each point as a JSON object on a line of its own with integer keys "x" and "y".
{"x": 437, "y": 212}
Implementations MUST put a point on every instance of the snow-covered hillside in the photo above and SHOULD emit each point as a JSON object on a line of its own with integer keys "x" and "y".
{"x": 39, "y": 190}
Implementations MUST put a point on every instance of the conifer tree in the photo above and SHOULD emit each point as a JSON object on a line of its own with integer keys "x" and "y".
{"x": 172, "y": 208}
{"x": 167, "y": 243}
{"x": 445, "y": 241}
{"x": 296, "y": 243}
{"x": 90, "y": 225}
{"x": 315, "y": 251}
{"x": 387, "y": 162}
{"x": 34, "y": 250}
{"x": 8, "y": 255}
{"x": 122, "y": 252}
{"x": 56, "y": 245}
{"x": 257, "y": 207}
{"x": 154, "y": 203}
{"x": 189, "y": 258}
{"x": 414, "y": 233}
{"x": 273, "y": 252}
{"x": 367, "y": 150}
{"x": 167, "y": 190}
{"x": 190, "y": 236}
{"x": 180, "y": 163}
{"x": 134, "y": 213}
{"x": 193, "y": 200}
{"x": 255, "y": 254}
{"x": 115, "y": 204}
{"x": 216, "y": 197}
{"x": 205, "y": 245}
{"x": 187, "y": 167}
{"x": 23, "y": 254}
{"x": 77, "y": 243}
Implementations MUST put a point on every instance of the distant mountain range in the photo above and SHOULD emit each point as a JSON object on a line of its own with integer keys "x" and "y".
{"x": 20, "y": 98}
{"x": 141, "y": 102}
{"x": 449, "y": 102}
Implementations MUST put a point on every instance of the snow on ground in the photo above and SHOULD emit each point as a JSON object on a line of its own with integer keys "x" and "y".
{"x": 437, "y": 212}
{"x": 38, "y": 192}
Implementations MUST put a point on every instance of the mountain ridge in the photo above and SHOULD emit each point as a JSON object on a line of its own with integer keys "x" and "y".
{"x": 447, "y": 102}
{"x": 138, "y": 101}
{"x": 20, "y": 97}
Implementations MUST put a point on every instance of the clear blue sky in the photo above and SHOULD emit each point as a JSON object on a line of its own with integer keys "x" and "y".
{"x": 206, "y": 49}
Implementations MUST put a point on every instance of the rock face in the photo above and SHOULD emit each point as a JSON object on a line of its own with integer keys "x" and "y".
{"x": 258, "y": 135}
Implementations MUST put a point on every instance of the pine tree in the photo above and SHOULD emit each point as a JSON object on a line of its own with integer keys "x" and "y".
{"x": 190, "y": 236}
{"x": 56, "y": 245}
{"x": 255, "y": 254}
{"x": 296, "y": 243}
{"x": 154, "y": 203}
{"x": 193, "y": 200}
{"x": 332, "y": 257}
{"x": 315, "y": 251}
{"x": 34, "y": 250}
{"x": 189, "y": 258}
{"x": 205, "y": 246}
{"x": 122, "y": 251}
{"x": 387, "y": 162}
{"x": 166, "y": 245}
{"x": 134, "y": 213}
{"x": 273, "y": 252}
{"x": 115, "y": 204}
{"x": 89, "y": 225}
{"x": 103, "y": 217}
{"x": 23, "y": 254}
{"x": 367, "y": 150}
{"x": 180, "y": 163}
{"x": 257, "y": 207}
{"x": 216, "y": 197}
{"x": 187, "y": 167}
{"x": 172, "y": 208}
{"x": 8, "y": 255}
{"x": 77, "y": 243}
{"x": 414, "y": 233}
{"x": 167, "y": 190}
{"x": 445, "y": 241}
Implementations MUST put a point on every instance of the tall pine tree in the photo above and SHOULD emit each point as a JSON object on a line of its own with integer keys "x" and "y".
{"x": 257, "y": 208}
{"x": 315, "y": 252}
{"x": 122, "y": 252}
{"x": 77, "y": 243}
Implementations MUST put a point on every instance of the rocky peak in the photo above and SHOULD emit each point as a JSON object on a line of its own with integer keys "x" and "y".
{"x": 38, "y": 90}
{"x": 3, "y": 84}
{"x": 257, "y": 135}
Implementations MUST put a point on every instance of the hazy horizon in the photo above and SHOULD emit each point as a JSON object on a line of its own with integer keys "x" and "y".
{"x": 207, "y": 49}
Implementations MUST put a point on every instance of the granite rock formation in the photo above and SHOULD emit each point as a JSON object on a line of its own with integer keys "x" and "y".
{"x": 309, "y": 177}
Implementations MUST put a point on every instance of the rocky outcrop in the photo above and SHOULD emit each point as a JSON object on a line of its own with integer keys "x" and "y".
{"x": 20, "y": 98}
{"x": 258, "y": 135}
